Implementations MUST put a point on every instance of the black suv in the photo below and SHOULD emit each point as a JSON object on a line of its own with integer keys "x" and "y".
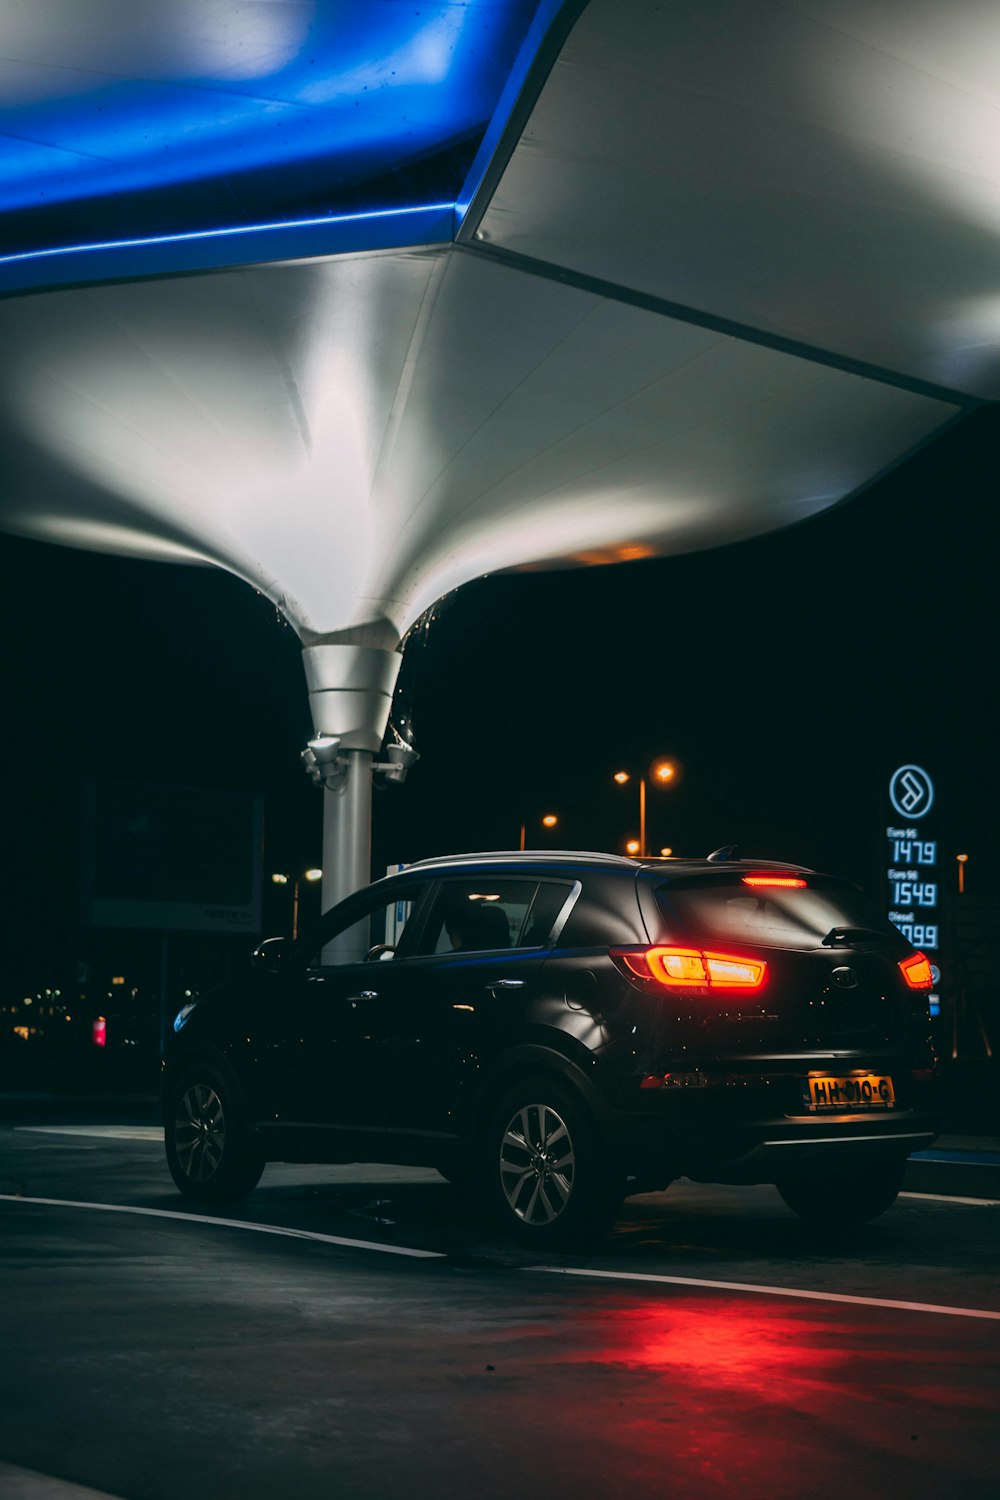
{"x": 558, "y": 1030}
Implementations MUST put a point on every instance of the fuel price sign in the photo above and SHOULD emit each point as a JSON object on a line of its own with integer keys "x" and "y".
{"x": 912, "y": 886}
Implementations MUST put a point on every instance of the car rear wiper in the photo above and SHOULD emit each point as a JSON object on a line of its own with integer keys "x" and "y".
{"x": 844, "y": 937}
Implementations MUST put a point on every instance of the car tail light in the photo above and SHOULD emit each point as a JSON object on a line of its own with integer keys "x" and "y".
{"x": 917, "y": 971}
{"x": 692, "y": 968}
{"x": 780, "y": 882}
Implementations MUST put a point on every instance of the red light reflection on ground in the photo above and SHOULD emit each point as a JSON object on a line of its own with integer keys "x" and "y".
{"x": 766, "y": 1400}
{"x": 732, "y": 1397}
{"x": 754, "y": 1349}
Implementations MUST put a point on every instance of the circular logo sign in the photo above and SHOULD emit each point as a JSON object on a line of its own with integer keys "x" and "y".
{"x": 911, "y": 791}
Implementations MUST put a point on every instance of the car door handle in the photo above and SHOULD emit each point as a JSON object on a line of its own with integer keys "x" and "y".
{"x": 506, "y": 984}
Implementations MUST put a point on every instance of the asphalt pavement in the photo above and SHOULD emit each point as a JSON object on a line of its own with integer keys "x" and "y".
{"x": 359, "y": 1331}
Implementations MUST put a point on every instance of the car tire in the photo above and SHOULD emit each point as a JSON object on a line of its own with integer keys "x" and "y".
{"x": 548, "y": 1178}
{"x": 211, "y": 1151}
{"x": 844, "y": 1199}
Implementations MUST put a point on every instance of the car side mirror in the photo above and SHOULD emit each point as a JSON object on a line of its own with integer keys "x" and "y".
{"x": 271, "y": 955}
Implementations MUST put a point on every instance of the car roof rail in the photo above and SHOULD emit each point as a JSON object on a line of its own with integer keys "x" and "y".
{"x": 484, "y": 856}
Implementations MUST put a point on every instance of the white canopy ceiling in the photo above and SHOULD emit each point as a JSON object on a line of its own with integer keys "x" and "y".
{"x": 358, "y": 436}
{"x": 727, "y": 264}
{"x": 825, "y": 171}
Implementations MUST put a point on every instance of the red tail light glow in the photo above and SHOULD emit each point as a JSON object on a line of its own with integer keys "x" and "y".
{"x": 99, "y": 1032}
{"x": 781, "y": 882}
{"x": 917, "y": 971}
{"x": 693, "y": 968}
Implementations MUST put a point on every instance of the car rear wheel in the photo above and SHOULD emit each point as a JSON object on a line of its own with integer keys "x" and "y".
{"x": 211, "y": 1152}
{"x": 550, "y": 1180}
{"x": 844, "y": 1198}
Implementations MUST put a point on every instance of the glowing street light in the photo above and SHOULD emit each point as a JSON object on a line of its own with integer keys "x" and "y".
{"x": 549, "y": 820}
{"x": 662, "y": 772}
{"x": 279, "y": 879}
{"x": 963, "y": 860}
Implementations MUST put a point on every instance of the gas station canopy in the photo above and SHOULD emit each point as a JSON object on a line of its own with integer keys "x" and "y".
{"x": 361, "y": 300}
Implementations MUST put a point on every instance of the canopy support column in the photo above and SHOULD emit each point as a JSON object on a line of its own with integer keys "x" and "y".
{"x": 350, "y": 694}
{"x": 347, "y": 842}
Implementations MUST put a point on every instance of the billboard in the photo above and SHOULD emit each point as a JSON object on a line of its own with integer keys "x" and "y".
{"x": 170, "y": 858}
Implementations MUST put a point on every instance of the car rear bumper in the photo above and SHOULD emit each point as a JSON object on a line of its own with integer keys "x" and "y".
{"x": 659, "y": 1148}
{"x": 758, "y": 1127}
{"x": 818, "y": 1145}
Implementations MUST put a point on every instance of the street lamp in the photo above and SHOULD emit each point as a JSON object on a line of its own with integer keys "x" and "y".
{"x": 279, "y": 879}
{"x": 661, "y": 773}
{"x": 963, "y": 860}
{"x": 548, "y": 821}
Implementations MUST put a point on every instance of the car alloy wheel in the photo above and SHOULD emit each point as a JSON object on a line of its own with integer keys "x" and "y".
{"x": 550, "y": 1179}
{"x": 199, "y": 1132}
{"x": 537, "y": 1164}
{"x": 212, "y": 1152}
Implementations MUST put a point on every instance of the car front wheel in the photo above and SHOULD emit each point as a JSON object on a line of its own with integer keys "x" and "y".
{"x": 210, "y": 1148}
{"x": 845, "y": 1198}
{"x": 550, "y": 1179}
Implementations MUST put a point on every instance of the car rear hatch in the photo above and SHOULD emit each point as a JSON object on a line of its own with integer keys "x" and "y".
{"x": 829, "y": 977}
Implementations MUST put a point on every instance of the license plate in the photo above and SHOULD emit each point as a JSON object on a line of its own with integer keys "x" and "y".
{"x": 861, "y": 1091}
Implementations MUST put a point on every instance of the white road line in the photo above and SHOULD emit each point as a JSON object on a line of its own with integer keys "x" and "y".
{"x": 770, "y": 1291}
{"x": 26, "y": 1484}
{"x": 98, "y": 1132}
{"x": 944, "y": 1198}
{"x": 635, "y": 1276}
{"x": 165, "y": 1213}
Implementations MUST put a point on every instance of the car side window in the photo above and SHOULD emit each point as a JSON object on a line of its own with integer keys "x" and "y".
{"x": 383, "y": 932}
{"x": 478, "y": 914}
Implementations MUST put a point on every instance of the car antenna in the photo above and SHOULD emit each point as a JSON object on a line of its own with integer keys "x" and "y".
{"x": 723, "y": 855}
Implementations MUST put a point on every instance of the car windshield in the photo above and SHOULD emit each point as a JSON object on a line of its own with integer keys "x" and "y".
{"x": 724, "y": 908}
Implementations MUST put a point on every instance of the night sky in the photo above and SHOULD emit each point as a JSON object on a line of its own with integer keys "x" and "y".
{"x": 786, "y": 676}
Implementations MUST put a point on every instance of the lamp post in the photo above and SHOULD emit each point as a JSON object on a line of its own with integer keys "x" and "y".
{"x": 279, "y": 879}
{"x": 661, "y": 773}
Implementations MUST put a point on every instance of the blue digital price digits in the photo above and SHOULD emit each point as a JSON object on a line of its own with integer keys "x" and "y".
{"x": 914, "y": 852}
{"x": 920, "y": 934}
{"x": 914, "y": 892}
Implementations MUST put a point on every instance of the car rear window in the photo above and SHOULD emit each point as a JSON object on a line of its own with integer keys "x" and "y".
{"x": 722, "y": 908}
